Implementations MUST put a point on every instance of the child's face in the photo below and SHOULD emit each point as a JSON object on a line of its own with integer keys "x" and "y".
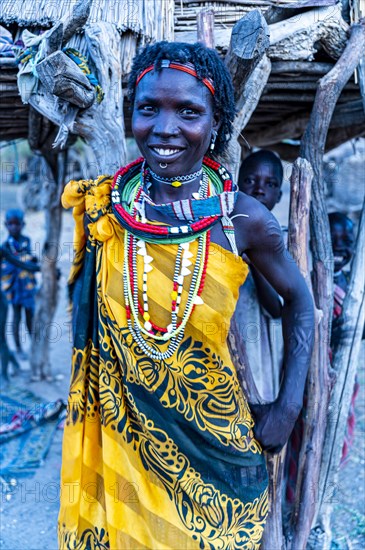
{"x": 14, "y": 226}
{"x": 342, "y": 236}
{"x": 261, "y": 180}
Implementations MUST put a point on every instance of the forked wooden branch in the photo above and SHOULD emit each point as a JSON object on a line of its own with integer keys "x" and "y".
{"x": 319, "y": 385}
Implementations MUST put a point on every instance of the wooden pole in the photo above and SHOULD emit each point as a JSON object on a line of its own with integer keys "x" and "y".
{"x": 249, "y": 42}
{"x": 345, "y": 363}
{"x": 319, "y": 384}
{"x": 298, "y": 237}
{"x": 205, "y": 27}
{"x": 47, "y": 299}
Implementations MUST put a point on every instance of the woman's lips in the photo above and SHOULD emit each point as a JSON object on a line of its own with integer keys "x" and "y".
{"x": 165, "y": 153}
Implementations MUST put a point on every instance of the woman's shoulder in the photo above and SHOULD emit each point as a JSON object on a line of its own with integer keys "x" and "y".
{"x": 251, "y": 210}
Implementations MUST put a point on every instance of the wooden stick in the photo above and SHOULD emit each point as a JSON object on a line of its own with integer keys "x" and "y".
{"x": 79, "y": 16}
{"x": 298, "y": 237}
{"x": 205, "y": 28}
{"x": 47, "y": 297}
{"x": 345, "y": 363}
{"x": 312, "y": 148}
{"x": 246, "y": 105}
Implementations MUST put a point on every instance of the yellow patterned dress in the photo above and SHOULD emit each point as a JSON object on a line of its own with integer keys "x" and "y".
{"x": 157, "y": 454}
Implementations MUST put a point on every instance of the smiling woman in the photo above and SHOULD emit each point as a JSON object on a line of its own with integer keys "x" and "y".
{"x": 155, "y": 404}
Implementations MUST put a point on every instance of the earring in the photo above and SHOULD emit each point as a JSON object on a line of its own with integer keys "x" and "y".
{"x": 212, "y": 141}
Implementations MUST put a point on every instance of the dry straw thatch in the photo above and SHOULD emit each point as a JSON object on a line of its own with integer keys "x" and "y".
{"x": 152, "y": 18}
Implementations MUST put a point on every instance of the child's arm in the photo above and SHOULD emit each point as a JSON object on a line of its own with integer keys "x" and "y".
{"x": 14, "y": 260}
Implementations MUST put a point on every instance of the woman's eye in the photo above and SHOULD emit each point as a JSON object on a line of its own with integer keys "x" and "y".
{"x": 147, "y": 108}
{"x": 189, "y": 112}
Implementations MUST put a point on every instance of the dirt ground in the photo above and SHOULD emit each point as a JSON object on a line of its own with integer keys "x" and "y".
{"x": 29, "y": 510}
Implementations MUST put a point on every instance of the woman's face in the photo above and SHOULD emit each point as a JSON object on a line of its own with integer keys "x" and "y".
{"x": 173, "y": 121}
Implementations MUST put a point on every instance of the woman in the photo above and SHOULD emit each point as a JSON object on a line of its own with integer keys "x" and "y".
{"x": 159, "y": 449}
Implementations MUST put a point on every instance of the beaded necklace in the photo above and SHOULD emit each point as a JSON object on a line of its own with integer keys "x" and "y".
{"x": 129, "y": 195}
{"x": 174, "y": 332}
{"x": 177, "y": 181}
{"x": 198, "y": 215}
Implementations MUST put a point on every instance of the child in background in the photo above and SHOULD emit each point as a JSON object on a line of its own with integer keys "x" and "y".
{"x": 18, "y": 285}
{"x": 256, "y": 326}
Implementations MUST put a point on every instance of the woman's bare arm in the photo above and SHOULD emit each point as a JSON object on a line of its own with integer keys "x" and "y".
{"x": 262, "y": 242}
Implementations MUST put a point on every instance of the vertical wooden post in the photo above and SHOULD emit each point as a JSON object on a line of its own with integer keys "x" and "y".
{"x": 345, "y": 363}
{"x": 300, "y": 192}
{"x": 205, "y": 27}
{"x": 102, "y": 126}
{"x": 46, "y": 302}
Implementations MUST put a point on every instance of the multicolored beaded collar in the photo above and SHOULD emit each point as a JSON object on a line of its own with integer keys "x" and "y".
{"x": 198, "y": 215}
{"x": 185, "y": 67}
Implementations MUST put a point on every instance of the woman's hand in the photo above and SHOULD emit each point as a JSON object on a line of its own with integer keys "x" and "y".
{"x": 274, "y": 423}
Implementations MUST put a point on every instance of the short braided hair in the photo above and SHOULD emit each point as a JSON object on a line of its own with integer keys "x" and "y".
{"x": 207, "y": 64}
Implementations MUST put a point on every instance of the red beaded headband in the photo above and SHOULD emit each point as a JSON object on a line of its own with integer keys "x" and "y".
{"x": 185, "y": 67}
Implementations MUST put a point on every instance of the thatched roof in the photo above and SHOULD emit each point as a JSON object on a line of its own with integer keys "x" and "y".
{"x": 152, "y": 18}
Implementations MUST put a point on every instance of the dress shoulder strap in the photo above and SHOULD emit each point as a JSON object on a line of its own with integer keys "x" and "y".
{"x": 228, "y": 230}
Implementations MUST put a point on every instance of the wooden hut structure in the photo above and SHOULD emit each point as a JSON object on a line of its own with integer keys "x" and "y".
{"x": 298, "y": 71}
{"x": 306, "y": 39}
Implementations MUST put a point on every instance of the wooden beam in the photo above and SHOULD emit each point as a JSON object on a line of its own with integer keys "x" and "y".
{"x": 293, "y": 126}
{"x": 306, "y": 67}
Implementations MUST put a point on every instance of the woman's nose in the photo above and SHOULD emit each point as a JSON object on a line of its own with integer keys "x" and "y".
{"x": 166, "y": 125}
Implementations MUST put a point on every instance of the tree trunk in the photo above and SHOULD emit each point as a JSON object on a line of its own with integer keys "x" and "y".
{"x": 319, "y": 378}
